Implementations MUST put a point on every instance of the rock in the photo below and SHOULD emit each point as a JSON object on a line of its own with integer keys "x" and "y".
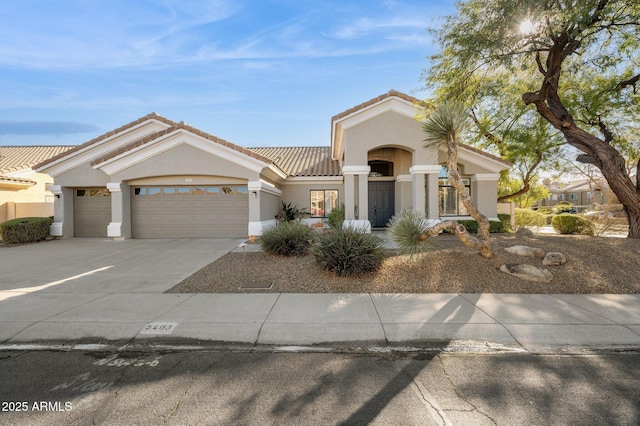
{"x": 554, "y": 258}
{"x": 523, "y": 232}
{"x": 525, "y": 251}
{"x": 527, "y": 272}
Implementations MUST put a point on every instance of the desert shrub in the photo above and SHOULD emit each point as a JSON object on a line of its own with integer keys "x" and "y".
{"x": 25, "y": 229}
{"x": 528, "y": 217}
{"x": 349, "y": 252}
{"x": 572, "y": 224}
{"x": 287, "y": 239}
{"x": 505, "y": 219}
{"x": 495, "y": 227}
{"x": 563, "y": 207}
{"x": 336, "y": 217}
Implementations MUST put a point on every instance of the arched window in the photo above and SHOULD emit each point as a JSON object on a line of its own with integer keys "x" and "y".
{"x": 449, "y": 203}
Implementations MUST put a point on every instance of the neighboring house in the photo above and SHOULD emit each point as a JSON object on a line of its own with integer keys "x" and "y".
{"x": 583, "y": 194}
{"x": 155, "y": 178}
{"x": 24, "y": 192}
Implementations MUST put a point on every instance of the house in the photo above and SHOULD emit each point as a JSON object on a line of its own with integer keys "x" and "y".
{"x": 156, "y": 178}
{"x": 582, "y": 194}
{"x": 23, "y": 191}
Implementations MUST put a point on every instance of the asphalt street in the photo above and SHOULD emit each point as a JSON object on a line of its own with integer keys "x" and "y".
{"x": 264, "y": 388}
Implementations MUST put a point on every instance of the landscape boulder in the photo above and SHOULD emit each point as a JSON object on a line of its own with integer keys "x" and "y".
{"x": 523, "y": 232}
{"x": 527, "y": 272}
{"x": 554, "y": 258}
{"x": 526, "y": 251}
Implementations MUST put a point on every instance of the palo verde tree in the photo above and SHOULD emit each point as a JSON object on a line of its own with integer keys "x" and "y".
{"x": 578, "y": 62}
{"x": 442, "y": 130}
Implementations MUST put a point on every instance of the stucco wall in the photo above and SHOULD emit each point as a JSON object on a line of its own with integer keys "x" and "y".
{"x": 184, "y": 160}
{"x": 83, "y": 175}
{"x": 35, "y": 200}
{"x": 388, "y": 129}
{"x": 484, "y": 196}
{"x": 300, "y": 194}
{"x": 269, "y": 206}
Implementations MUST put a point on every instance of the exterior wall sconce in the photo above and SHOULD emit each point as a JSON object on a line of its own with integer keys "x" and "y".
{"x": 254, "y": 194}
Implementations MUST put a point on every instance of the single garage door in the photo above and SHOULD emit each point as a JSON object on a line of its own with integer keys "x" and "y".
{"x": 91, "y": 211}
{"x": 190, "y": 211}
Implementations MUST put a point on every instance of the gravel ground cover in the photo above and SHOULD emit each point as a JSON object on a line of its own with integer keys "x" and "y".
{"x": 594, "y": 265}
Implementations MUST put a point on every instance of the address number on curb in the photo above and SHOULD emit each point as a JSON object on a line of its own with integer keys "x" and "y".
{"x": 159, "y": 328}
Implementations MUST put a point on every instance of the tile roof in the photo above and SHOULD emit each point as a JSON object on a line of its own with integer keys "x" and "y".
{"x": 16, "y": 158}
{"x": 146, "y": 139}
{"x": 302, "y": 161}
{"x": 93, "y": 141}
{"x": 389, "y": 94}
{"x": 176, "y": 126}
{"x": 17, "y": 180}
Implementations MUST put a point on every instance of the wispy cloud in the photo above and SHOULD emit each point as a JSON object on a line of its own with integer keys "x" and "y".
{"x": 44, "y": 127}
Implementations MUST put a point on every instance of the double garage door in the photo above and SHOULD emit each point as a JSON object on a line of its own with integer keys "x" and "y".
{"x": 168, "y": 211}
{"x": 190, "y": 211}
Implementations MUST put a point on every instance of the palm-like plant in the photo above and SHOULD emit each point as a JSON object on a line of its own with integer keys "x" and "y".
{"x": 442, "y": 130}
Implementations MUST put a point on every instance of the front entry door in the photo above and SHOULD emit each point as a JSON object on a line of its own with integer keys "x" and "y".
{"x": 381, "y": 202}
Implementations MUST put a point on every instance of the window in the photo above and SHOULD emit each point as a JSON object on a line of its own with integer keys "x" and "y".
{"x": 573, "y": 196}
{"x": 562, "y": 197}
{"x": 140, "y": 191}
{"x": 449, "y": 203}
{"x": 588, "y": 195}
{"x": 381, "y": 168}
{"x": 154, "y": 191}
{"x": 323, "y": 201}
{"x": 184, "y": 190}
{"x": 168, "y": 190}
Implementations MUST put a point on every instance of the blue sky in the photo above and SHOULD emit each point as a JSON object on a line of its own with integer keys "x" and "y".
{"x": 257, "y": 73}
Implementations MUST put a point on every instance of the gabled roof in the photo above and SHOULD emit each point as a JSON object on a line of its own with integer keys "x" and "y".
{"x": 17, "y": 158}
{"x": 176, "y": 126}
{"x": 302, "y": 161}
{"x": 172, "y": 126}
{"x": 389, "y": 94}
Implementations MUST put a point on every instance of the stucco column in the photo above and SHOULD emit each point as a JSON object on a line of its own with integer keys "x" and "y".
{"x": 349, "y": 194}
{"x": 425, "y": 189}
{"x": 484, "y": 193}
{"x": 120, "y": 226}
{"x": 62, "y": 225}
{"x": 349, "y": 173}
{"x": 363, "y": 195}
{"x": 264, "y": 205}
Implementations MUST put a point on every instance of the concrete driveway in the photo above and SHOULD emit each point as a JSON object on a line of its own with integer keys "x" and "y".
{"x": 106, "y": 266}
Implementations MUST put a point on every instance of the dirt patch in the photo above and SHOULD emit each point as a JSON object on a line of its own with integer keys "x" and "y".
{"x": 594, "y": 265}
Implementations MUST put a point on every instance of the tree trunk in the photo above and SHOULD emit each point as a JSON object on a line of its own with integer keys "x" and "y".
{"x": 482, "y": 241}
{"x": 459, "y": 231}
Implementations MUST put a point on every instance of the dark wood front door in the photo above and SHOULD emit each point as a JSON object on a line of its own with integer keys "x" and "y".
{"x": 381, "y": 202}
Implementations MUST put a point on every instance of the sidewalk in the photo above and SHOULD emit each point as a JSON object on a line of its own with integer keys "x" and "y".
{"x": 101, "y": 292}
{"x": 465, "y": 322}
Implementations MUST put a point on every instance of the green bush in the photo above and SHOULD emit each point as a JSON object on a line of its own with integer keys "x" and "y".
{"x": 571, "y": 224}
{"x": 336, "y": 217}
{"x": 563, "y": 207}
{"x": 528, "y": 217}
{"x": 349, "y": 252}
{"x": 495, "y": 227}
{"x": 287, "y": 239}
{"x": 505, "y": 219}
{"x": 25, "y": 230}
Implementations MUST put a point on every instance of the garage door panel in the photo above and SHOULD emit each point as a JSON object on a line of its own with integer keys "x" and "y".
{"x": 91, "y": 211}
{"x": 190, "y": 212}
